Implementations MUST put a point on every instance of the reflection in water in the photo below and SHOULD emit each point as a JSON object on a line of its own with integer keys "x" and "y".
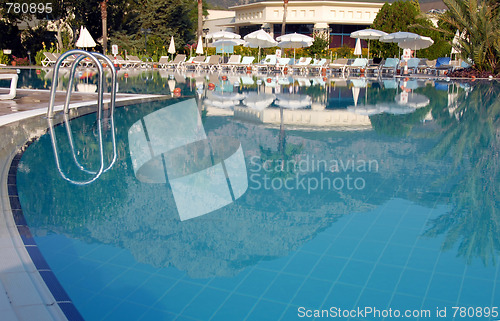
{"x": 170, "y": 145}
{"x": 471, "y": 137}
{"x": 182, "y": 165}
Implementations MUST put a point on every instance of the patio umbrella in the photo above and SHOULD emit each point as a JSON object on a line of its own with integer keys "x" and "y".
{"x": 223, "y": 35}
{"x": 399, "y": 36}
{"x": 368, "y": 34}
{"x": 421, "y": 42}
{"x": 85, "y": 40}
{"x": 259, "y": 39}
{"x": 171, "y": 47}
{"x": 199, "y": 47}
{"x": 294, "y": 40}
{"x": 357, "y": 49}
{"x": 226, "y": 45}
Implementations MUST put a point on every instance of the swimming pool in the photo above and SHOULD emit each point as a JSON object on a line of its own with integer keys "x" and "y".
{"x": 274, "y": 199}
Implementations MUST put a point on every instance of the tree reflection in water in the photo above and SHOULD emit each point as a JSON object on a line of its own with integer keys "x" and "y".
{"x": 472, "y": 139}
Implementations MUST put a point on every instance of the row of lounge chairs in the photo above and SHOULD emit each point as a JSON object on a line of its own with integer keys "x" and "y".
{"x": 272, "y": 63}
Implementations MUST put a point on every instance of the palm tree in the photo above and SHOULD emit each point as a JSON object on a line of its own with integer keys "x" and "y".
{"x": 285, "y": 7}
{"x": 200, "y": 19}
{"x": 104, "y": 17}
{"x": 480, "y": 24}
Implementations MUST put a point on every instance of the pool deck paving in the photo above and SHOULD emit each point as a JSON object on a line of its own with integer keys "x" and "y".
{"x": 24, "y": 295}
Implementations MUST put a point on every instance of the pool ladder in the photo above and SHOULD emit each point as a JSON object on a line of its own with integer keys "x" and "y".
{"x": 94, "y": 57}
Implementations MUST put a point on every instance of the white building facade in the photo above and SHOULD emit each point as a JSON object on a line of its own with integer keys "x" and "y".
{"x": 337, "y": 18}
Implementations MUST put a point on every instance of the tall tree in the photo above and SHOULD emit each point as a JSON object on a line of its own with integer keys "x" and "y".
{"x": 285, "y": 9}
{"x": 480, "y": 24}
{"x": 104, "y": 17}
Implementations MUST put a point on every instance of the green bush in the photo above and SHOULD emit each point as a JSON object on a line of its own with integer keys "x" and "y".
{"x": 4, "y": 59}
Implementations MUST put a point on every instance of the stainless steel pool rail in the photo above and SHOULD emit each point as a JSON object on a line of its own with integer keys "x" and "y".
{"x": 81, "y": 54}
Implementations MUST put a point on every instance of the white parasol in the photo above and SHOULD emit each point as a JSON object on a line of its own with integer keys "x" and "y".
{"x": 295, "y": 40}
{"x": 199, "y": 46}
{"x": 357, "y": 49}
{"x": 259, "y": 39}
{"x": 368, "y": 34}
{"x": 223, "y": 35}
{"x": 85, "y": 40}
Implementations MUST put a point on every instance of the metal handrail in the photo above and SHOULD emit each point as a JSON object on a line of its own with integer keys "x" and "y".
{"x": 50, "y": 113}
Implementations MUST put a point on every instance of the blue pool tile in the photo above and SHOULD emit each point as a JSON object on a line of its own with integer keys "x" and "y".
{"x": 256, "y": 282}
{"x": 123, "y": 258}
{"x": 374, "y": 298}
{"x": 414, "y": 282}
{"x": 98, "y": 307}
{"x": 127, "y": 282}
{"x": 178, "y": 297}
{"x": 355, "y": 229}
{"x": 369, "y": 251}
{"x": 237, "y": 307}
{"x": 126, "y": 311}
{"x": 415, "y": 221}
{"x": 379, "y": 232}
{"x": 444, "y": 287}
{"x": 266, "y": 311}
{"x": 329, "y": 268}
{"x": 356, "y": 273}
{"x": 423, "y": 259}
{"x": 343, "y": 246}
{"x": 276, "y": 264}
{"x": 283, "y": 288}
{"x": 384, "y": 277}
{"x": 343, "y": 296}
{"x": 312, "y": 293}
{"x": 205, "y": 304}
{"x": 302, "y": 263}
{"x": 157, "y": 315}
{"x": 318, "y": 244}
{"x": 395, "y": 254}
{"x": 152, "y": 289}
{"x": 403, "y": 302}
{"x": 229, "y": 283}
{"x": 70, "y": 311}
{"x": 476, "y": 292}
{"x": 449, "y": 263}
{"x": 405, "y": 236}
{"x": 477, "y": 269}
{"x": 170, "y": 272}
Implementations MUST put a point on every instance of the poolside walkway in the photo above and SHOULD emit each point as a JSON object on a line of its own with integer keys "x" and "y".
{"x": 24, "y": 294}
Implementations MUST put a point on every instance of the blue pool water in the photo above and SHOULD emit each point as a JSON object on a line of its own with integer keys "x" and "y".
{"x": 352, "y": 201}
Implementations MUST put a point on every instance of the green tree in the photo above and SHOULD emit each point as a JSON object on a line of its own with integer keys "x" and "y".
{"x": 480, "y": 24}
{"x": 406, "y": 16}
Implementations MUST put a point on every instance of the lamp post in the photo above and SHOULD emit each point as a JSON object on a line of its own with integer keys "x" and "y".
{"x": 205, "y": 33}
{"x": 146, "y": 31}
{"x": 29, "y": 56}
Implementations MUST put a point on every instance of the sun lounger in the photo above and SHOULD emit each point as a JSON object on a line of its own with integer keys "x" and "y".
{"x": 339, "y": 64}
{"x": 390, "y": 65}
{"x": 282, "y": 64}
{"x": 234, "y": 60}
{"x": 177, "y": 62}
{"x": 316, "y": 67}
{"x": 266, "y": 63}
{"x": 246, "y": 62}
{"x": 12, "y": 75}
{"x": 211, "y": 64}
{"x": 194, "y": 63}
{"x": 162, "y": 62}
{"x": 301, "y": 64}
{"x": 374, "y": 65}
{"x": 358, "y": 64}
{"x": 49, "y": 59}
{"x": 442, "y": 64}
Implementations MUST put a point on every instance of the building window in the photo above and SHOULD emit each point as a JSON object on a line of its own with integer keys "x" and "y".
{"x": 302, "y": 13}
{"x": 311, "y": 13}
